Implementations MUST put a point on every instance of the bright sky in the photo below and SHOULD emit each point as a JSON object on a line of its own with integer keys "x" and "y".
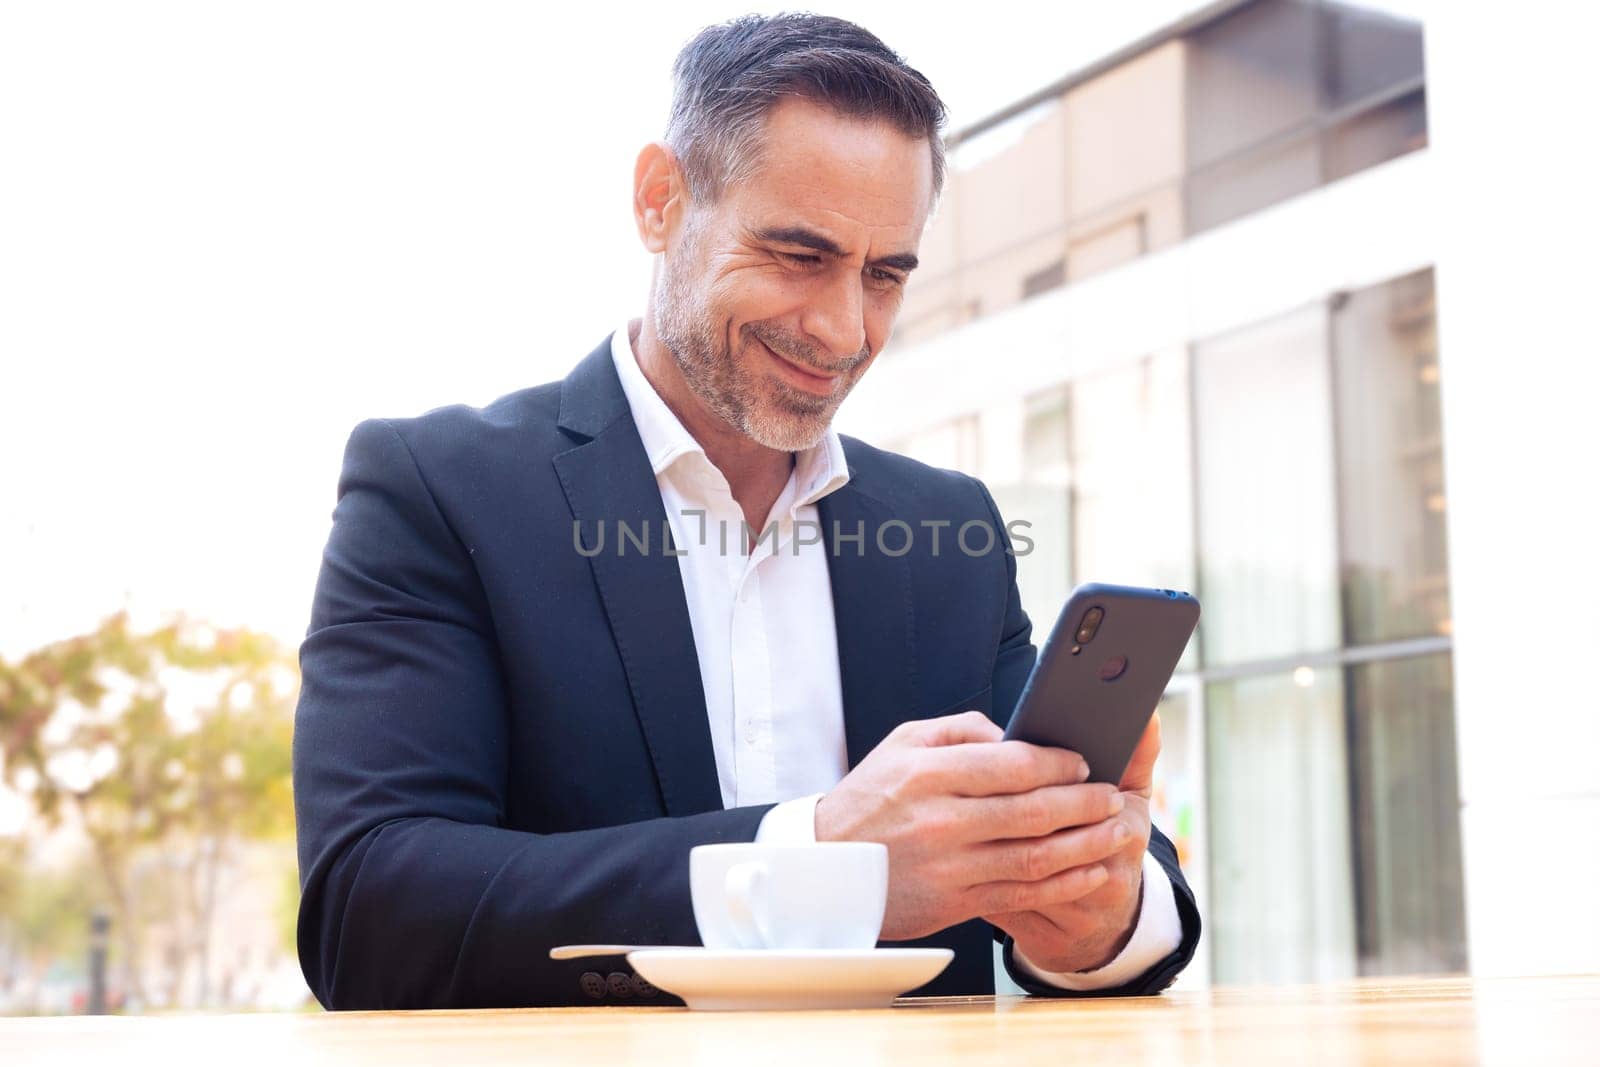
{"x": 230, "y": 232}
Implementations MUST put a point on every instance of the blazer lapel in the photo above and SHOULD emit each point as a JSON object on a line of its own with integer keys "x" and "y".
{"x": 608, "y": 481}
{"x": 874, "y": 615}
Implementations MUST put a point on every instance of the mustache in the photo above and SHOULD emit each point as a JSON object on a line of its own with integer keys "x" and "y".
{"x": 791, "y": 348}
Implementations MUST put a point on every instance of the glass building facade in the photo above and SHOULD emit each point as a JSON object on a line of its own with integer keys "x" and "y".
{"x": 1288, "y": 469}
{"x": 1289, "y": 473}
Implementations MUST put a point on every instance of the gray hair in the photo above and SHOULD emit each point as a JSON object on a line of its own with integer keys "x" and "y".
{"x": 730, "y": 75}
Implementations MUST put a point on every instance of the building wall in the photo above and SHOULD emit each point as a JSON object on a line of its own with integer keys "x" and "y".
{"x": 1290, "y": 254}
{"x": 996, "y": 371}
{"x": 1193, "y": 367}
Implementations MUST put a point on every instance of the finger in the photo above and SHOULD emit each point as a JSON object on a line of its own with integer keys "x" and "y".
{"x": 1036, "y": 813}
{"x": 1027, "y": 926}
{"x": 965, "y": 728}
{"x": 1003, "y": 767}
{"x": 1045, "y": 923}
{"x": 1140, "y": 772}
{"x": 1062, "y": 888}
{"x": 1031, "y": 861}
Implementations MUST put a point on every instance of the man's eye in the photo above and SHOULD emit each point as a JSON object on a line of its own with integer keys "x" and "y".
{"x": 796, "y": 257}
{"x": 885, "y": 277}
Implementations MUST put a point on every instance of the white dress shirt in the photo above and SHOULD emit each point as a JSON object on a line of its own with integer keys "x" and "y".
{"x": 769, "y": 657}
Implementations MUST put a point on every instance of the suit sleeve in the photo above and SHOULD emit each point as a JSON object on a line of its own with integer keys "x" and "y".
{"x": 414, "y": 893}
{"x": 1013, "y": 662}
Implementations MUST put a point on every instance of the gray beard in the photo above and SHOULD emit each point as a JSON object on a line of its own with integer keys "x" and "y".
{"x": 780, "y": 417}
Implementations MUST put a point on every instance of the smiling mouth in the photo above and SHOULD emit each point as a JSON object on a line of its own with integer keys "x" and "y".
{"x": 816, "y": 382}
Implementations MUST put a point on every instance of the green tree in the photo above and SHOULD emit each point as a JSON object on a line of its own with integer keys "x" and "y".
{"x": 174, "y": 741}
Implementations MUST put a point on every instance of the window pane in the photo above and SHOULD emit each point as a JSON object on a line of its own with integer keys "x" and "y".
{"x": 1174, "y": 799}
{"x": 1252, "y": 74}
{"x": 1109, "y": 454}
{"x": 1268, "y": 570}
{"x": 1042, "y": 281}
{"x": 1372, "y": 51}
{"x": 1043, "y": 570}
{"x": 1408, "y": 817}
{"x": 1394, "y": 571}
{"x": 1045, "y": 439}
{"x": 1278, "y": 824}
{"x": 1044, "y": 575}
{"x": 1178, "y": 805}
{"x": 1130, "y": 470}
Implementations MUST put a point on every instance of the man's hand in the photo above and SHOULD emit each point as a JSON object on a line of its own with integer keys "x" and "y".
{"x": 1089, "y": 932}
{"x": 980, "y": 826}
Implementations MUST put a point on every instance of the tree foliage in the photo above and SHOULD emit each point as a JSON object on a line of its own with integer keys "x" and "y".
{"x": 175, "y": 740}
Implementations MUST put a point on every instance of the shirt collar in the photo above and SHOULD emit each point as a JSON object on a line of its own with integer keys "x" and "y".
{"x": 818, "y": 470}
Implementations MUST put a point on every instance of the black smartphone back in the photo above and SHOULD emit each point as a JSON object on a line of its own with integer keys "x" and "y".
{"x": 1102, "y": 671}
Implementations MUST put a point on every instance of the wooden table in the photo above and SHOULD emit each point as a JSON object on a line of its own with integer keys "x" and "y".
{"x": 1387, "y": 1021}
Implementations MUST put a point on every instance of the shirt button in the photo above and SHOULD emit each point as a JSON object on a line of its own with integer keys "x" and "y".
{"x": 642, "y": 987}
{"x": 620, "y": 984}
{"x": 592, "y": 984}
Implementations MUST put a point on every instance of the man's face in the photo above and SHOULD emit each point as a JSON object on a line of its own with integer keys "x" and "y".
{"x": 776, "y": 299}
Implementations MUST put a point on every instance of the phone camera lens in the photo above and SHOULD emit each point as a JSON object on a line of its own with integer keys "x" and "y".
{"x": 1090, "y": 624}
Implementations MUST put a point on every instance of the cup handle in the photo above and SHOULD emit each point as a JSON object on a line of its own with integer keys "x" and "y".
{"x": 745, "y": 891}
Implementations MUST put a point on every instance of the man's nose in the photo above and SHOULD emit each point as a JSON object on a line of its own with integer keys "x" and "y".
{"x": 834, "y": 319}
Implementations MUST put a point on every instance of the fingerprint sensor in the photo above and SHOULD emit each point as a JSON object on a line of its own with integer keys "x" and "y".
{"x": 1113, "y": 668}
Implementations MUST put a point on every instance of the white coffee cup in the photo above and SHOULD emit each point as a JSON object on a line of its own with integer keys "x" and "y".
{"x": 830, "y": 894}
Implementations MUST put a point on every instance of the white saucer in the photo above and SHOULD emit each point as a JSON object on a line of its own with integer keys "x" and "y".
{"x": 778, "y": 979}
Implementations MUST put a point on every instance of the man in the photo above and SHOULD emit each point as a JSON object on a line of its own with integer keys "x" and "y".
{"x": 539, "y": 671}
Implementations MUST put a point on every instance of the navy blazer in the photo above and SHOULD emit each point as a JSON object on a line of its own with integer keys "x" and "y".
{"x": 501, "y": 742}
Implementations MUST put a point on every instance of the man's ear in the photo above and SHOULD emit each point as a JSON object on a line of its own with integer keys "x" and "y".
{"x": 660, "y": 195}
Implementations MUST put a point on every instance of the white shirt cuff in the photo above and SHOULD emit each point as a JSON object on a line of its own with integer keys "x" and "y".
{"x": 1157, "y": 935}
{"x": 793, "y": 822}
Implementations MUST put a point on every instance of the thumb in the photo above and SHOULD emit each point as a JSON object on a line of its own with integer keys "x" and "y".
{"x": 1140, "y": 775}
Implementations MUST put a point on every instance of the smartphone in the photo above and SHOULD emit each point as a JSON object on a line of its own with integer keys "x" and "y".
{"x": 1102, "y": 672}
